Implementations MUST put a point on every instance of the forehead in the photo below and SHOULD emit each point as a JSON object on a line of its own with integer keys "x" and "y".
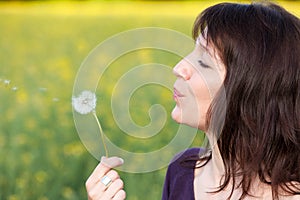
{"x": 202, "y": 42}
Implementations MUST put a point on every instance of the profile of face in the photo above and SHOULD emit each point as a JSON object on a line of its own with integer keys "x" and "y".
{"x": 199, "y": 76}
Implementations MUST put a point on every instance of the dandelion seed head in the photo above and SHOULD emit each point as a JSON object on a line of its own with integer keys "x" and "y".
{"x": 85, "y": 102}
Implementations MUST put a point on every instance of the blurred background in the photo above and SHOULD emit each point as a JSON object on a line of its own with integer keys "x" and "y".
{"x": 42, "y": 45}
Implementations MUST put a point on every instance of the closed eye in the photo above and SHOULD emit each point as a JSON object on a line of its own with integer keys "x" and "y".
{"x": 203, "y": 64}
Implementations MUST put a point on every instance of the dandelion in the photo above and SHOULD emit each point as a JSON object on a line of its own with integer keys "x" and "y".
{"x": 84, "y": 104}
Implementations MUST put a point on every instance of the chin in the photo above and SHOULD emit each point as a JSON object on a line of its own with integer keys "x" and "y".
{"x": 189, "y": 120}
{"x": 176, "y": 115}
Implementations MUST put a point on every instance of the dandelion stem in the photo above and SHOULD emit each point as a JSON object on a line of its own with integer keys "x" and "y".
{"x": 101, "y": 133}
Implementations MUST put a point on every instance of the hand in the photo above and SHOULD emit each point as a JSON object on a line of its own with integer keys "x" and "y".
{"x": 97, "y": 190}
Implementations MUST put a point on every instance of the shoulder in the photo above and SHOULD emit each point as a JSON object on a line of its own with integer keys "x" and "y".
{"x": 180, "y": 175}
{"x": 188, "y": 155}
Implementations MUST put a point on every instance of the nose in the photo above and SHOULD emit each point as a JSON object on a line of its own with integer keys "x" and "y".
{"x": 183, "y": 70}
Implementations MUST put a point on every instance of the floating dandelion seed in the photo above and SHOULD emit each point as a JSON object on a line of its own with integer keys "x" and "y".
{"x": 55, "y": 99}
{"x": 42, "y": 89}
{"x": 14, "y": 88}
{"x": 84, "y": 104}
{"x": 6, "y": 82}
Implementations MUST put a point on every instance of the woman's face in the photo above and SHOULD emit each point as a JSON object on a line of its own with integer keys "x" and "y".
{"x": 199, "y": 76}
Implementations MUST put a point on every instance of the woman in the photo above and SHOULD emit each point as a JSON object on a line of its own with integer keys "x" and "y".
{"x": 253, "y": 133}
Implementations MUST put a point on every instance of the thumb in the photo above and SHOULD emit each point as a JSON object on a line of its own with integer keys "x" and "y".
{"x": 112, "y": 162}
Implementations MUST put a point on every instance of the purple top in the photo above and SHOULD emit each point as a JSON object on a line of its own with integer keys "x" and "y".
{"x": 179, "y": 181}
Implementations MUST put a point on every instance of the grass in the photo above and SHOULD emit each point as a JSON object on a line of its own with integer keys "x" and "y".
{"x": 42, "y": 47}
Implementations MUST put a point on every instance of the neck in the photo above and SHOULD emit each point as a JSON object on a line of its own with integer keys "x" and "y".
{"x": 216, "y": 160}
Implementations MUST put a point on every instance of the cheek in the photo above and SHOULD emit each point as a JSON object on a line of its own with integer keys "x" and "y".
{"x": 203, "y": 99}
{"x": 205, "y": 85}
{"x": 201, "y": 94}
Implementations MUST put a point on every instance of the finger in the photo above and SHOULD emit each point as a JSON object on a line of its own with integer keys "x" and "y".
{"x": 121, "y": 194}
{"x": 113, "y": 189}
{"x": 95, "y": 192}
{"x": 110, "y": 177}
{"x": 99, "y": 188}
{"x": 102, "y": 168}
{"x": 113, "y": 175}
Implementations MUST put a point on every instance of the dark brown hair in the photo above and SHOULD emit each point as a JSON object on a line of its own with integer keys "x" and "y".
{"x": 260, "y": 47}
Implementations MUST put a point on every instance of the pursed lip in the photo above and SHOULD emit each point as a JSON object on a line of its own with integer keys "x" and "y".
{"x": 177, "y": 94}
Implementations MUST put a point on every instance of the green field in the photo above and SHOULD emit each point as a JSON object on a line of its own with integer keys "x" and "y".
{"x": 42, "y": 47}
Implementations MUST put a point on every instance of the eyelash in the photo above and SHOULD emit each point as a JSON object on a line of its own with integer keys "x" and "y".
{"x": 203, "y": 64}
